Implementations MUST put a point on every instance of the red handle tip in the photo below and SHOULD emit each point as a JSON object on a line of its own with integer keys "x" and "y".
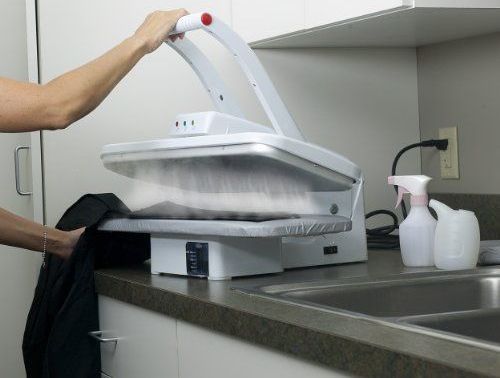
{"x": 206, "y": 19}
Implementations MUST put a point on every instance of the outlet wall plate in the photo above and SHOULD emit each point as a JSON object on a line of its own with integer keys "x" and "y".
{"x": 449, "y": 158}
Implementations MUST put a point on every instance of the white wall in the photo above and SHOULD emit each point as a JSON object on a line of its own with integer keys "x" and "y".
{"x": 363, "y": 103}
{"x": 459, "y": 85}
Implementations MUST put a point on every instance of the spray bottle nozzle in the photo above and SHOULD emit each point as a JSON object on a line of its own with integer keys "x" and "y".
{"x": 414, "y": 185}
{"x": 391, "y": 180}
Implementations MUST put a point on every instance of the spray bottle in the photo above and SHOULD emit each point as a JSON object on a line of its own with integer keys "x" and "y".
{"x": 416, "y": 232}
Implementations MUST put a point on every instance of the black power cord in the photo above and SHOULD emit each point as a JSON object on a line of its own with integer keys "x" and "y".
{"x": 380, "y": 237}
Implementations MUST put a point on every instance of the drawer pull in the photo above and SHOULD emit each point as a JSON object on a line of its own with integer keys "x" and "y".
{"x": 98, "y": 336}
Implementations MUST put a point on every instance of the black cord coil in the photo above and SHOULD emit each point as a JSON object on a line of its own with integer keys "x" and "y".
{"x": 381, "y": 237}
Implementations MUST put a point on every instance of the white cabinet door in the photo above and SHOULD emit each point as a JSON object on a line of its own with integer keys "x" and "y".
{"x": 147, "y": 345}
{"x": 260, "y": 19}
{"x": 324, "y": 12}
{"x": 157, "y": 346}
{"x": 17, "y": 268}
{"x": 213, "y": 355}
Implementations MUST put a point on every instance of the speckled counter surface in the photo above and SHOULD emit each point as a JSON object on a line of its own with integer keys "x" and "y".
{"x": 359, "y": 346}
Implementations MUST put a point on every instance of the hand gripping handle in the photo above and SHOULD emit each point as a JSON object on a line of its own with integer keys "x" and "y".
{"x": 191, "y": 22}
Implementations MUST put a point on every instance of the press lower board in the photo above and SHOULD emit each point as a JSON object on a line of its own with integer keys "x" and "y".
{"x": 306, "y": 226}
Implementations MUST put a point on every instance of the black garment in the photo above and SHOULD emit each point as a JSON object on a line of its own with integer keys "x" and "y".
{"x": 170, "y": 210}
{"x": 56, "y": 342}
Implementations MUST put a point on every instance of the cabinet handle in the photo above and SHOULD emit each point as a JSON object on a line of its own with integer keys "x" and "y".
{"x": 17, "y": 170}
{"x": 97, "y": 335}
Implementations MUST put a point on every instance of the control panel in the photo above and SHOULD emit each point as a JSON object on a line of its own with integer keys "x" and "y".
{"x": 190, "y": 125}
{"x": 212, "y": 123}
{"x": 197, "y": 259}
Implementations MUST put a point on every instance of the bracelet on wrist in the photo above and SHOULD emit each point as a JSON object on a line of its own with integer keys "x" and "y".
{"x": 44, "y": 249}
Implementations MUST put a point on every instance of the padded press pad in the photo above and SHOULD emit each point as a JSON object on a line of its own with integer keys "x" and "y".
{"x": 303, "y": 226}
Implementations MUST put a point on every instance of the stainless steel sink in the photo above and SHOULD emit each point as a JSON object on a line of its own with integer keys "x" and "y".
{"x": 483, "y": 325}
{"x": 397, "y": 296}
{"x": 459, "y": 303}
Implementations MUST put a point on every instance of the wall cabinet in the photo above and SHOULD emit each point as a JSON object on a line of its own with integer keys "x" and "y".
{"x": 261, "y": 19}
{"x": 323, "y": 12}
{"x": 156, "y": 346}
{"x": 383, "y": 23}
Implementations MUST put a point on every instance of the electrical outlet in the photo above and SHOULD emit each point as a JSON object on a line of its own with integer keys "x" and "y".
{"x": 449, "y": 157}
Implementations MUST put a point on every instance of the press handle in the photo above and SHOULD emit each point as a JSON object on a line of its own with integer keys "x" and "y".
{"x": 18, "y": 170}
{"x": 191, "y": 22}
{"x": 97, "y": 335}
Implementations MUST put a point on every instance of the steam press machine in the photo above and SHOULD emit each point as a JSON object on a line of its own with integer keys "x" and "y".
{"x": 224, "y": 144}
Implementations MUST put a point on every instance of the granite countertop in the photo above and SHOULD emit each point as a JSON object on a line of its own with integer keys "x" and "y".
{"x": 360, "y": 346}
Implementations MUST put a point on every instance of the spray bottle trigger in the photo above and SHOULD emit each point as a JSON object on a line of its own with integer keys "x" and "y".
{"x": 401, "y": 191}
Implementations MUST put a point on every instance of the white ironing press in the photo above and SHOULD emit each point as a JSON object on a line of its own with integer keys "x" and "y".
{"x": 217, "y": 147}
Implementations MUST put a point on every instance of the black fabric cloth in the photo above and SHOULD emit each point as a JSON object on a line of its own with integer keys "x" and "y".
{"x": 170, "y": 210}
{"x": 64, "y": 310}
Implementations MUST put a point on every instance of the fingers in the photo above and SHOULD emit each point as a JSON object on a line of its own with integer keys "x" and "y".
{"x": 174, "y": 16}
{"x": 66, "y": 248}
{"x": 179, "y": 13}
{"x": 182, "y": 12}
{"x": 173, "y": 38}
{"x": 157, "y": 26}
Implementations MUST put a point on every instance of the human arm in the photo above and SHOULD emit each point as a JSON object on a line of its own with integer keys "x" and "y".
{"x": 23, "y": 233}
{"x": 71, "y": 96}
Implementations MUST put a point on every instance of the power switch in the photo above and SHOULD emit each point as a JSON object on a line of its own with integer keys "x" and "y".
{"x": 330, "y": 250}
